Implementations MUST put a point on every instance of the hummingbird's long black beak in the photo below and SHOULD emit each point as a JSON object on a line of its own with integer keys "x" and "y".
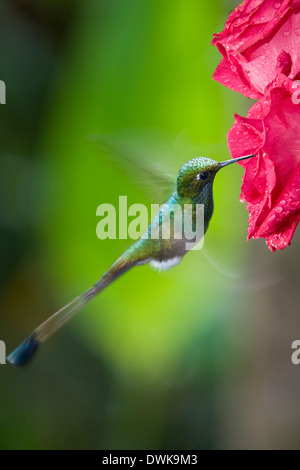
{"x": 235, "y": 160}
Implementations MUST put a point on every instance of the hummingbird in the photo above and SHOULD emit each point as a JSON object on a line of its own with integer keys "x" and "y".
{"x": 194, "y": 188}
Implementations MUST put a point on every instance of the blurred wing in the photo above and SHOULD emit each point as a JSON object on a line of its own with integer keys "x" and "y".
{"x": 147, "y": 174}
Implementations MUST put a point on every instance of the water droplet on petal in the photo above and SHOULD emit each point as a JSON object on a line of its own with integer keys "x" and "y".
{"x": 286, "y": 34}
{"x": 276, "y": 5}
{"x": 278, "y": 210}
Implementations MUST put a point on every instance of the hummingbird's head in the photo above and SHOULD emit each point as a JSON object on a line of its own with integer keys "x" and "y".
{"x": 199, "y": 173}
{"x": 195, "y": 175}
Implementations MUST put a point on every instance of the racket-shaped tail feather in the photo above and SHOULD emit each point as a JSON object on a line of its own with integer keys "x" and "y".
{"x": 25, "y": 352}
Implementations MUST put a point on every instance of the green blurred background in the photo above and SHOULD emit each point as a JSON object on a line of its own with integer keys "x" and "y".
{"x": 195, "y": 358}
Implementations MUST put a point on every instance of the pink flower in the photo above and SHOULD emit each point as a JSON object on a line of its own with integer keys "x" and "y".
{"x": 261, "y": 59}
{"x": 271, "y": 183}
{"x": 254, "y": 36}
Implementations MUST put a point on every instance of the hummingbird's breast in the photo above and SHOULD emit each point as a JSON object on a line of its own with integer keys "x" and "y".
{"x": 178, "y": 226}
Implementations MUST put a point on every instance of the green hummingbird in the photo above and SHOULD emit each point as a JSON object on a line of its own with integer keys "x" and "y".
{"x": 194, "y": 190}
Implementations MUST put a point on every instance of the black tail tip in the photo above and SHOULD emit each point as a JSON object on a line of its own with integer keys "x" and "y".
{"x": 25, "y": 352}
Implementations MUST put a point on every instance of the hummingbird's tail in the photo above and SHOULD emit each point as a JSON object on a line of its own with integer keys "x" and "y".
{"x": 28, "y": 348}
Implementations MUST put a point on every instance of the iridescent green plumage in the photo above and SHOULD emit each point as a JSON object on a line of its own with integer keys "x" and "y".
{"x": 194, "y": 189}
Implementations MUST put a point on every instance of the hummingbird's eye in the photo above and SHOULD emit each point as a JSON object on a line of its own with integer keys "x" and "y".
{"x": 203, "y": 175}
